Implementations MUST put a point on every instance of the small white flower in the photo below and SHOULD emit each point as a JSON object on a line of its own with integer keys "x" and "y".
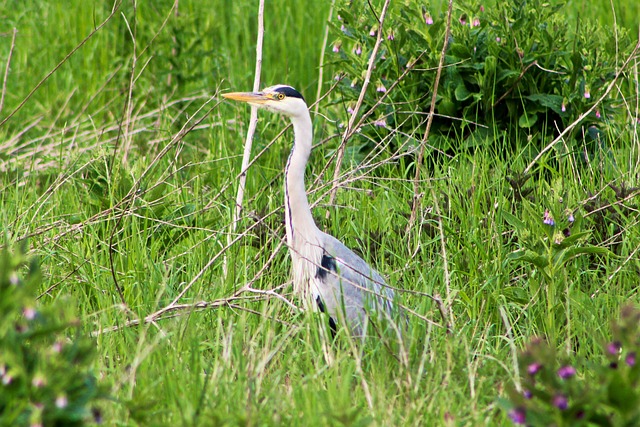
{"x": 61, "y": 401}
{"x": 29, "y": 313}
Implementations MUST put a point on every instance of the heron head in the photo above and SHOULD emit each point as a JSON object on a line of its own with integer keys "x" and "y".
{"x": 281, "y": 99}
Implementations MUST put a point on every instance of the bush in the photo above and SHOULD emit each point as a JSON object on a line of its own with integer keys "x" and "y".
{"x": 45, "y": 363}
{"x": 515, "y": 71}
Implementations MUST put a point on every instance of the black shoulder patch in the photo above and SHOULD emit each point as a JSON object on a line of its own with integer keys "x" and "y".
{"x": 327, "y": 264}
{"x": 332, "y": 322}
{"x": 320, "y": 304}
{"x": 289, "y": 91}
{"x": 333, "y": 326}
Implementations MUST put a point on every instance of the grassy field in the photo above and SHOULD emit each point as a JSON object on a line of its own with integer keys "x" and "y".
{"x": 121, "y": 168}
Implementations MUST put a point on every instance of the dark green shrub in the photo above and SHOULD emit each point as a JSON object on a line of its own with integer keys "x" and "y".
{"x": 45, "y": 363}
{"x": 515, "y": 70}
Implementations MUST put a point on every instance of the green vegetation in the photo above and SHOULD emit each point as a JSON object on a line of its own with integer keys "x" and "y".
{"x": 45, "y": 374}
{"x": 603, "y": 393}
{"x": 120, "y": 173}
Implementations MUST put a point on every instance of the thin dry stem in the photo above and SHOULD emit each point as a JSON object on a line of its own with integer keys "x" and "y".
{"x": 114, "y": 9}
{"x": 350, "y": 126}
{"x": 416, "y": 186}
{"x": 445, "y": 264}
{"x": 323, "y": 49}
{"x": 6, "y": 69}
{"x": 579, "y": 120}
{"x": 253, "y": 122}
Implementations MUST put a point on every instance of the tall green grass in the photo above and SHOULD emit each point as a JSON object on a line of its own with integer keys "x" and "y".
{"x": 107, "y": 218}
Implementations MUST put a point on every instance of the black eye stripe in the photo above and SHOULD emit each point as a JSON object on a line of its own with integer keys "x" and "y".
{"x": 290, "y": 92}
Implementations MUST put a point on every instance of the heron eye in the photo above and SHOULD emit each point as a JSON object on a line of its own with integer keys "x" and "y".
{"x": 280, "y": 96}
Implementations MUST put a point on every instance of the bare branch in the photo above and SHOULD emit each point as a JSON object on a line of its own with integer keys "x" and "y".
{"x": 416, "y": 179}
{"x": 349, "y": 130}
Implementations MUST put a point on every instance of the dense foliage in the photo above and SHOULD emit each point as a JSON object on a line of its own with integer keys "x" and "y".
{"x": 517, "y": 71}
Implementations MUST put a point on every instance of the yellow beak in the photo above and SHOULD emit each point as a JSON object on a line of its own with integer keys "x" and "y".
{"x": 251, "y": 97}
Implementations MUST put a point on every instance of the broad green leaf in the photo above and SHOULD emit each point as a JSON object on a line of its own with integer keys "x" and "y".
{"x": 527, "y": 120}
{"x": 462, "y": 93}
{"x": 566, "y": 255}
{"x": 530, "y": 257}
{"x": 513, "y": 220}
{"x": 553, "y": 102}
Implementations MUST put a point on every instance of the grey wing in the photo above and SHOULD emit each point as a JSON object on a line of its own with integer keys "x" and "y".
{"x": 347, "y": 285}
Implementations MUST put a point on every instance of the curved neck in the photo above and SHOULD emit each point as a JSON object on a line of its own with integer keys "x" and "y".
{"x": 299, "y": 221}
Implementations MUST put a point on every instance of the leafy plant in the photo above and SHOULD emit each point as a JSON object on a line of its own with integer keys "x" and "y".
{"x": 601, "y": 392}
{"x": 516, "y": 69}
{"x": 549, "y": 242}
{"x": 45, "y": 374}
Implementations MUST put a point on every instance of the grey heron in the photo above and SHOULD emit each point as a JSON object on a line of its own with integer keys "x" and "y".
{"x": 325, "y": 271}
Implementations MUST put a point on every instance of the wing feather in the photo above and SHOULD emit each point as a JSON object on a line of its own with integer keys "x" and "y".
{"x": 348, "y": 287}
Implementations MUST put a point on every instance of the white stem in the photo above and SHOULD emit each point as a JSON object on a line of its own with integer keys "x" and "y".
{"x": 253, "y": 121}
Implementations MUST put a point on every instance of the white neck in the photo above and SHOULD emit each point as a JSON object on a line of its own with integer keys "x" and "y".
{"x": 301, "y": 228}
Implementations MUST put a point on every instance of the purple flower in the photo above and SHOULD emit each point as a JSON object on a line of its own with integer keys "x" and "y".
{"x": 527, "y": 394}
{"x": 343, "y": 28}
{"x": 571, "y": 218}
{"x": 357, "y": 50}
{"x": 428, "y": 19}
{"x": 598, "y": 115}
{"x": 381, "y": 88}
{"x": 481, "y": 8}
{"x": 498, "y": 39}
{"x": 518, "y": 416}
{"x": 381, "y": 123}
{"x": 390, "y": 36}
{"x": 463, "y": 19}
{"x": 563, "y": 108}
{"x": 614, "y": 347}
{"x": 586, "y": 93}
{"x": 560, "y": 402}
{"x": 476, "y": 22}
{"x": 533, "y": 368}
{"x": 631, "y": 359}
{"x": 350, "y": 110}
{"x": 336, "y": 47}
{"x": 566, "y": 372}
{"x": 547, "y": 218}
{"x": 372, "y": 33}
